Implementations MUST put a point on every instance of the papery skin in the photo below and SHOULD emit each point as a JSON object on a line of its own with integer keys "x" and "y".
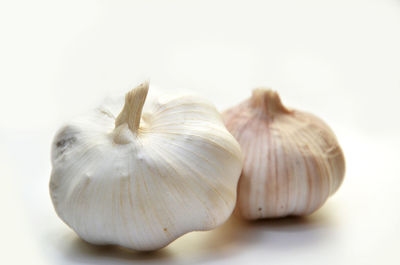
{"x": 141, "y": 190}
{"x": 292, "y": 159}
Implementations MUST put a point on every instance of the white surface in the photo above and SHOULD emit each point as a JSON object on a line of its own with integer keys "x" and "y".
{"x": 338, "y": 59}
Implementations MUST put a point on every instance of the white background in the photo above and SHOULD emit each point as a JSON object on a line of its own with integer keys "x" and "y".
{"x": 337, "y": 59}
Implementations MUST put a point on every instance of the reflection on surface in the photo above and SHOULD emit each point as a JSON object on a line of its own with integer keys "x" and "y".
{"x": 227, "y": 240}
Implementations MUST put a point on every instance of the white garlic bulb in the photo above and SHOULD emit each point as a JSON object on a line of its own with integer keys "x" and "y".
{"x": 141, "y": 181}
{"x": 292, "y": 160}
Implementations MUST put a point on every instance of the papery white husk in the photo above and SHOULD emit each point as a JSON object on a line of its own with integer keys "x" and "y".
{"x": 177, "y": 173}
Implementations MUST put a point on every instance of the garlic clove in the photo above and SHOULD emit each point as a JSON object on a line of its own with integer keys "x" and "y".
{"x": 292, "y": 159}
{"x": 141, "y": 180}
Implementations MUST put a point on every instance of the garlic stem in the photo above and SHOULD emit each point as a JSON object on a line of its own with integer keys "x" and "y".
{"x": 267, "y": 100}
{"x": 132, "y": 111}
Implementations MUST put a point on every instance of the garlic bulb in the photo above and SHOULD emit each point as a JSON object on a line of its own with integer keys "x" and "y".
{"x": 292, "y": 160}
{"x": 141, "y": 181}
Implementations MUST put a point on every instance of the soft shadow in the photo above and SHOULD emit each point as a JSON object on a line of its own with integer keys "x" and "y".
{"x": 80, "y": 250}
{"x": 292, "y": 232}
{"x": 227, "y": 241}
{"x": 224, "y": 241}
{"x": 293, "y": 223}
{"x": 192, "y": 248}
